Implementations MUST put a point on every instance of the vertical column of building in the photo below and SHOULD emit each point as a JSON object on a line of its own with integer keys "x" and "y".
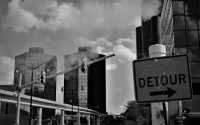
{"x": 82, "y": 79}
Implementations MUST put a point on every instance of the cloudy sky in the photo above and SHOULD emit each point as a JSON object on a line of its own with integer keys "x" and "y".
{"x": 61, "y": 26}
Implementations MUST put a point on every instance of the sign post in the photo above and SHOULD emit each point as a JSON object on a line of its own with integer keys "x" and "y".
{"x": 162, "y": 79}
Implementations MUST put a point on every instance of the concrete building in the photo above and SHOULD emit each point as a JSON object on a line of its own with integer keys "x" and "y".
{"x": 85, "y": 89}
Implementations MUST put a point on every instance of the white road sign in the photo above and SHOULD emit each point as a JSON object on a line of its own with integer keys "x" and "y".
{"x": 162, "y": 79}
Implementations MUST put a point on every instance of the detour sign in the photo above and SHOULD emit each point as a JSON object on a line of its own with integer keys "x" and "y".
{"x": 162, "y": 79}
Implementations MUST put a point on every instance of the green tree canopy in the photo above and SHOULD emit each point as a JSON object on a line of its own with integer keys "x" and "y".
{"x": 141, "y": 113}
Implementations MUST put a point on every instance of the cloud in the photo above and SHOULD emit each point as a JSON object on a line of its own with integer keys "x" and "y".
{"x": 111, "y": 66}
{"x": 48, "y": 14}
{"x": 150, "y": 8}
{"x": 85, "y": 42}
{"x": 103, "y": 40}
{"x": 6, "y": 70}
{"x": 19, "y": 19}
{"x": 118, "y": 90}
{"x": 29, "y": 14}
{"x": 124, "y": 52}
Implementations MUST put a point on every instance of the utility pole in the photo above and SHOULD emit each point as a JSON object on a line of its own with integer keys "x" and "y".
{"x": 18, "y": 99}
{"x": 159, "y": 50}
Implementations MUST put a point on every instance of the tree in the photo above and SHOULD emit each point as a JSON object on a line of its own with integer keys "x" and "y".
{"x": 140, "y": 113}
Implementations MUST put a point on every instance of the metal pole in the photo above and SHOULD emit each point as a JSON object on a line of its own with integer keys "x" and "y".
{"x": 72, "y": 110}
{"x": 159, "y": 50}
{"x": 18, "y": 100}
{"x": 31, "y": 100}
{"x": 78, "y": 114}
{"x": 62, "y": 119}
{"x": 39, "y": 115}
{"x": 180, "y": 120}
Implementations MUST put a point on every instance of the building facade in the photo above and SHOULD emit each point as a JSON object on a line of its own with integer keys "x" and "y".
{"x": 85, "y": 89}
{"x": 180, "y": 33}
{"x": 31, "y": 64}
{"x": 146, "y": 35}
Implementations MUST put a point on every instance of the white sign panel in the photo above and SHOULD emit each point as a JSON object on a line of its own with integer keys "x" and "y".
{"x": 162, "y": 79}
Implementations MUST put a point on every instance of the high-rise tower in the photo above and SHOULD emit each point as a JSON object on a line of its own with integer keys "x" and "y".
{"x": 85, "y": 89}
{"x": 33, "y": 63}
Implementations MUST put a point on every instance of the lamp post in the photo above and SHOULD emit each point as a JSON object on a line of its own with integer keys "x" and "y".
{"x": 18, "y": 98}
{"x": 72, "y": 108}
{"x": 31, "y": 94}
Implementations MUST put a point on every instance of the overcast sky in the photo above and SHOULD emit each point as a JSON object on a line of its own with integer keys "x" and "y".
{"x": 108, "y": 26}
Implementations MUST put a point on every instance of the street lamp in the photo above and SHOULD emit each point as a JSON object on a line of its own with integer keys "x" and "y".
{"x": 31, "y": 93}
{"x": 18, "y": 97}
{"x": 31, "y": 101}
{"x": 72, "y": 107}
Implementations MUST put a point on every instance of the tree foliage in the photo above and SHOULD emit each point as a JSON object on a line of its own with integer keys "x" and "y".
{"x": 140, "y": 113}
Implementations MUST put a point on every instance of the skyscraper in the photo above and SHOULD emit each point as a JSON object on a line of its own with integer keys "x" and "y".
{"x": 32, "y": 63}
{"x": 85, "y": 89}
{"x": 146, "y": 35}
{"x": 180, "y": 33}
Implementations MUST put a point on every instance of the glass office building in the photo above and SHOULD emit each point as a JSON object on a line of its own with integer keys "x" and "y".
{"x": 146, "y": 35}
{"x": 85, "y": 89}
{"x": 32, "y": 63}
{"x": 180, "y": 32}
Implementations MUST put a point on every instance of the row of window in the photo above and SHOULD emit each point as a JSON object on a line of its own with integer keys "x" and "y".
{"x": 192, "y": 52}
{"x": 186, "y": 22}
{"x": 186, "y": 7}
{"x": 187, "y": 38}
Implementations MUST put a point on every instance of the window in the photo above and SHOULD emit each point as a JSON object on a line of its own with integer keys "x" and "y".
{"x": 179, "y": 22}
{"x": 179, "y": 38}
{"x": 191, "y": 22}
{"x": 192, "y": 37}
{"x": 196, "y": 88}
{"x": 198, "y": 6}
{"x": 195, "y": 69}
{"x": 190, "y": 7}
{"x": 179, "y": 51}
{"x": 178, "y": 7}
{"x": 194, "y": 53}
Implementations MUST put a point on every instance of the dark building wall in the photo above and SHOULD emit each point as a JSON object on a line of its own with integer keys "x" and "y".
{"x": 146, "y": 35}
{"x": 97, "y": 86}
{"x": 71, "y": 80}
{"x": 181, "y": 34}
{"x": 139, "y": 43}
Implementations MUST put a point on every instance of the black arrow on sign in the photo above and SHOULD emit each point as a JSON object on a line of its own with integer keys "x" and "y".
{"x": 168, "y": 92}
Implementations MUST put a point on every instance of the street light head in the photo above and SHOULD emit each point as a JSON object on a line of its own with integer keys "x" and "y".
{"x": 83, "y": 65}
{"x": 43, "y": 77}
